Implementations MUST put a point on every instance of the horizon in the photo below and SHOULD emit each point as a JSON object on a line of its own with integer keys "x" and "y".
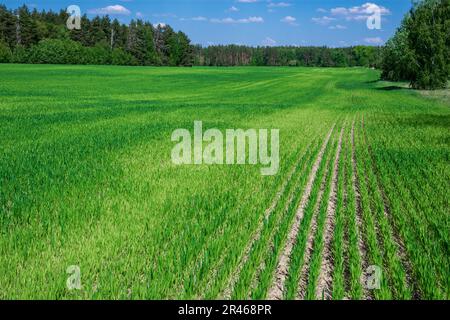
{"x": 330, "y": 23}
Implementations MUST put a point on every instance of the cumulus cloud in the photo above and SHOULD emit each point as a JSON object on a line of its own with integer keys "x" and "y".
{"x": 159, "y": 24}
{"x": 359, "y": 12}
{"x": 279, "y": 5}
{"x": 290, "y": 20}
{"x": 339, "y": 11}
{"x": 356, "y": 13}
{"x": 376, "y": 40}
{"x": 114, "y": 10}
{"x": 325, "y": 20}
{"x": 268, "y": 42}
{"x": 337, "y": 27}
{"x": 199, "y": 18}
{"x": 233, "y": 9}
{"x": 238, "y": 21}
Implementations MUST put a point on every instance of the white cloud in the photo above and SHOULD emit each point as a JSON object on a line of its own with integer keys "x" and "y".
{"x": 233, "y": 9}
{"x": 325, "y": 20}
{"x": 290, "y": 20}
{"x": 247, "y": 1}
{"x": 268, "y": 42}
{"x": 238, "y": 21}
{"x": 339, "y": 11}
{"x": 199, "y": 18}
{"x": 279, "y": 5}
{"x": 255, "y": 19}
{"x": 321, "y": 10}
{"x": 139, "y": 14}
{"x": 159, "y": 24}
{"x": 115, "y": 9}
{"x": 356, "y": 13}
{"x": 338, "y": 27}
{"x": 359, "y": 13}
{"x": 376, "y": 40}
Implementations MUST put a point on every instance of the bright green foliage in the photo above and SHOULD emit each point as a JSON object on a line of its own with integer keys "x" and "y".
{"x": 428, "y": 38}
{"x": 120, "y": 57}
{"x": 57, "y": 52}
{"x": 5, "y": 53}
{"x": 398, "y": 58}
{"x": 420, "y": 50}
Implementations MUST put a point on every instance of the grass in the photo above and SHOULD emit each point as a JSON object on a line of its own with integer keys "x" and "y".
{"x": 86, "y": 179}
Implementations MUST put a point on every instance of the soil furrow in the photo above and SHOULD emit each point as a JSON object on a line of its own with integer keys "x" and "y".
{"x": 401, "y": 249}
{"x": 277, "y": 288}
{"x": 226, "y": 295}
{"x": 346, "y": 239}
{"x": 271, "y": 245}
{"x": 359, "y": 219}
{"x": 303, "y": 281}
{"x": 324, "y": 286}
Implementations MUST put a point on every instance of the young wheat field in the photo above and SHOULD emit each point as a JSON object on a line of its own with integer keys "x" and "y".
{"x": 359, "y": 208}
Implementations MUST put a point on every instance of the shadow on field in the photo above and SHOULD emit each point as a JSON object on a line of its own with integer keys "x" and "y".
{"x": 427, "y": 120}
{"x": 392, "y": 88}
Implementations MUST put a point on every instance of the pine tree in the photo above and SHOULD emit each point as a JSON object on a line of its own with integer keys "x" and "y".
{"x": 26, "y": 28}
{"x": 140, "y": 42}
{"x": 185, "y": 53}
{"x": 151, "y": 56}
{"x": 7, "y": 27}
{"x": 160, "y": 43}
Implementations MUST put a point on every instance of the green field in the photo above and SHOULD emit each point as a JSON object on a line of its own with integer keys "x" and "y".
{"x": 86, "y": 179}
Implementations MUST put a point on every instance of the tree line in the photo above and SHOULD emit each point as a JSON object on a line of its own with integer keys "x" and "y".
{"x": 234, "y": 55}
{"x": 43, "y": 37}
{"x": 419, "y": 52}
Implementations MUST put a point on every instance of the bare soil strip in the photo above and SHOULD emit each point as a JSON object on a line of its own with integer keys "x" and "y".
{"x": 226, "y": 295}
{"x": 303, "y": 281}
{"x": 359, "y": 219}
{"x": 346, "y": 231}
{"x": 401, "y": 249}
{"x": 281, "y": 272}
{"x": 270, "y": 247}
{"x": 211, "y": 277}
{"x": 325, "y": 282}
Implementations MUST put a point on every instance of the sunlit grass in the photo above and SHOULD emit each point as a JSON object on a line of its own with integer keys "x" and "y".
{"x": 86, "y": 179}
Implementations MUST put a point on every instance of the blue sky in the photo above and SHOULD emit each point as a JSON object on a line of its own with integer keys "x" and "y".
{"x": 332, "y": 23}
